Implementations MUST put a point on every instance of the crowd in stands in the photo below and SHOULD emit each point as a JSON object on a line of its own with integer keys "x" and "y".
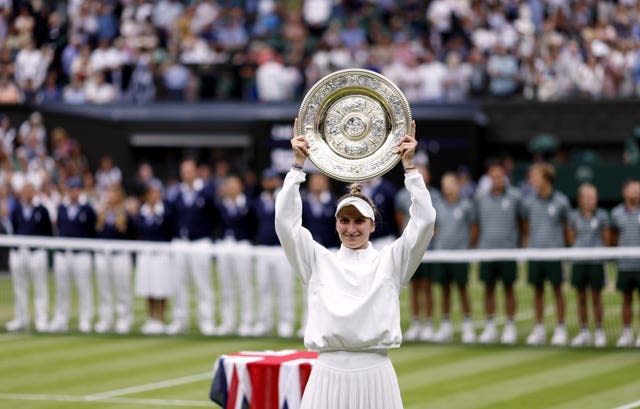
{"x": 47, "y": 187}
{"x": 80, "y": 51}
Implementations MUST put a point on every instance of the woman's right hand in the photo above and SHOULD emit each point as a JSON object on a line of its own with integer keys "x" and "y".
{"x": 299, "y": 145}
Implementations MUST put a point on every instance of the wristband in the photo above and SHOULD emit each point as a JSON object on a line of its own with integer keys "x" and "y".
{"x": 297, "y": 166}
{"x": 409, "y": 168}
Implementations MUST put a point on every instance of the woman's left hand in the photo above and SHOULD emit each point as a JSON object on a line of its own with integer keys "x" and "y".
{"x": 407, "y": 147}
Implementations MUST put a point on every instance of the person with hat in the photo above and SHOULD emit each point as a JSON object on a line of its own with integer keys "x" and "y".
{"x": 76, "y": 218}
{"x": 273, "y": 273}
{"x": 29, "y": 217}
{"x": 354, "y": 306}
{"x": 154, "y": 222}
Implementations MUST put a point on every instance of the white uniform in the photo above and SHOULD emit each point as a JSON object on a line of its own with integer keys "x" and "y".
{"x": 29, "y": 265}
{"x": 113, "y": 278}
{"x": 153, "y": 269}
{"x": 73, "y": 221}
{"x": 353, "y": 300}
{"x": 195, "y": 215}
{"x": 274, "y": 279}
{"x": 234, "y": 275}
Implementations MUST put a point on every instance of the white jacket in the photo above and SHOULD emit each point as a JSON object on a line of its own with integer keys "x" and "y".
{"x": 353, "y": 295}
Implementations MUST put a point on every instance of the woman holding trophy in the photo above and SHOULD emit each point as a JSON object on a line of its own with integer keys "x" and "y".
{"x": 353, "y": 294}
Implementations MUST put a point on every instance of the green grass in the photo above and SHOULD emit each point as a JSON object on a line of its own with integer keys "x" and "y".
{"x": 66, "y": 371}
{"x": 98, "y": 371}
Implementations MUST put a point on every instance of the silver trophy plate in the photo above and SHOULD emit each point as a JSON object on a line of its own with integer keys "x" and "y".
{"x": 353, "y": 120}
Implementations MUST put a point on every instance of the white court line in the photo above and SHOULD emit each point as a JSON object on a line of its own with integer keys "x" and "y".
{"x": 128, "y": 401}
{"x": 150, "y": 386}
{"x": 631, "y": 405}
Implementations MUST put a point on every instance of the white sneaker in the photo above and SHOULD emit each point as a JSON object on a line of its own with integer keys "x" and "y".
{"x": 626, "y": 339}
{"x": 538, "y": 336}
{"x": 58, "y": 325}
{"x": 426, "y": 332}
{"x": 300, "y": 333}
{"x": 84, "y": 327}
{"x": 509, "y": 334}
{"x": 285, "y": 330}
{"x": 123, "y": 325}
{"x": 444, "y": 333}
{"x": 468, "y": 334}
{"x": 152, "y": 327}
{"x": 102, "y": 326}
{"x": 207, "y": 328}
{"x": 225, "y": 329}
{"x": 17, "y": 325}
{"x": 599, "y": 339}
{"x": 412, "y": 333}
{"x": 583, "y": 339}
{"x": 42, "y": 326}
{"x": 244, "y": 330}
{"x": 560, "y": 336}
{"x": 489, "y": 334}
{"x": 177, "y": 327}
{"x": 261, "y": 330}
{"x": 638, "y": 341}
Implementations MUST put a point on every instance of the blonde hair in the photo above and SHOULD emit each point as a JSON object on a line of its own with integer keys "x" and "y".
{"x": 120, "y": 212}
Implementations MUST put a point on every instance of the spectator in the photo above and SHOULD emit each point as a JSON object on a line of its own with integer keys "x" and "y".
{"x": 9, "y": 91}
{"x": 107, "y": 175}
{"x": 31, "y": 65}
{"x": 502, "y": 68}
{"x": 175, "y": 78}
{"x": 98, "y": 91}
{"x": 51, "y": 91}
{"x": 275, "y": 81}
{"x": 432, "y": 73}
{"x": 75, "y": 93}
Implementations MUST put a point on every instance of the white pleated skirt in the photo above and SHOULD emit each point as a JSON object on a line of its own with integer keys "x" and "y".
{"x": 153, "y": 275}
{"x": 352, "y": 380}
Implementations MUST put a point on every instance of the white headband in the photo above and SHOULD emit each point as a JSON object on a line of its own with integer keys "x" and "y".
{"x": 363, "y": 207}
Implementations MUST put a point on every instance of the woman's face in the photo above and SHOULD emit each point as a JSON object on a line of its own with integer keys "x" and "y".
{"x": 353, "y": 228}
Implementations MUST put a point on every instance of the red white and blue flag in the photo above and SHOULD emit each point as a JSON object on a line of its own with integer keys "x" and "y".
{"x": 261, "y": 380}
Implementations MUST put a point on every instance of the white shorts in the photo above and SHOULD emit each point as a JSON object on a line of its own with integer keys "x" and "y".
{"x": 352, "y": 380}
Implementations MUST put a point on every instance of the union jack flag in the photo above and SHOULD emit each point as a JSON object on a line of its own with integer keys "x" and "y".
{"x": 261, "y": 380}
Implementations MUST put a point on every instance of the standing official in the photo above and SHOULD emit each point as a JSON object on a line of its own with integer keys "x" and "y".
{"x": 498, "y": 212}
{"x": 29, "y": 218}
{"x": 545, "y": 214}
{"x": 234, "y": 262}
{"x": 625, "y": 222}
{"x": 456, "y": 219}
{"x": 195, "y": 216}
{"x": 421, "y": 296}
{"x": 273, "y": 272}
{"x": 76, "y": 218}
{"x": 154, "y": 222}
{"x": 113, "y": 269}
{"x": 588, "y": 227}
